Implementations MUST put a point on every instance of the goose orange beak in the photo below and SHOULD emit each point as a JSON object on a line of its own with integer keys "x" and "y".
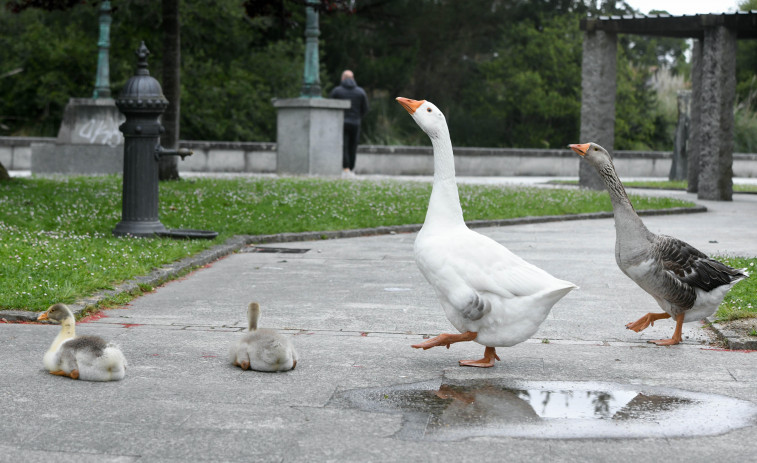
{"x": 410, "y": 105}
{"x": 42, "y": 316}
{"x": 580, "y": 149}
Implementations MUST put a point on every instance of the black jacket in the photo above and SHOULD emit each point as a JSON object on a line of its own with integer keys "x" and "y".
{"x": 348, "y": 90}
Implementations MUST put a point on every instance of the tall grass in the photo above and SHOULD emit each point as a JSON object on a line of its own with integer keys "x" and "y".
{"x": 667, "y": 87}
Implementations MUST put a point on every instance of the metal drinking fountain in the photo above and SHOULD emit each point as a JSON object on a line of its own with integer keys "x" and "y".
{"x": 142, "y": 102}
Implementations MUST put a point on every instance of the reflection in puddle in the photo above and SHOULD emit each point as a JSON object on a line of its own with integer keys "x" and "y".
{"x": 458, "y": 410}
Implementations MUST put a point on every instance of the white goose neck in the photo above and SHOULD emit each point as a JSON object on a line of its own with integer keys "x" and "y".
{"x": 444, "y": 206}
{"x": 444, "y": 161}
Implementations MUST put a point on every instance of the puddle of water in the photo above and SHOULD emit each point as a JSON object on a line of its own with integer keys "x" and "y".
{"x": 454, "y": 410}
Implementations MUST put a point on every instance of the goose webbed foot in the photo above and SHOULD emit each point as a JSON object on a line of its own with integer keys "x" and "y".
{"x": 74, "y": 374}
{"x": 646, "y": 320}
{"x": 245, "y": 365}
{"x": 490, "y": 354}
{"x": 446, "y": 339}
{"x": 676, "y": 339}
{"x": 665, "y": 342}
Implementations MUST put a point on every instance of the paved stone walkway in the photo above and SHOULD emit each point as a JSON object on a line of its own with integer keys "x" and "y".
{"x": 354, "y": 306}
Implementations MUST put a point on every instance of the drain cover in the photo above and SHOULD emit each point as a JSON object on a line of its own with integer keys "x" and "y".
{"x": 451, "y": 411}
{"x": 187, "y": 234}
{"x": 267, "y": 249}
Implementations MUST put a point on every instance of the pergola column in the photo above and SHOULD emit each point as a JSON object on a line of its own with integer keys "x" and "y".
{"x": 695, "y": 147}
{"x": 598, "y": 84}
{"x": 715, "y": 138}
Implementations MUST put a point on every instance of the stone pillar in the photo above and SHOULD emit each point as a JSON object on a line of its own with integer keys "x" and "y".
{"x": 598, "y": 84}
{"x": 309, "y": 135}
{"x": 718, "y": 96}
{"x": 679, "y": 166}
{"x": 695, "y": 127}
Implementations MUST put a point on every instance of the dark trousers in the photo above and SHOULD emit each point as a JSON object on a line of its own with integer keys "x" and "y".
{"x": 351, "y": 137}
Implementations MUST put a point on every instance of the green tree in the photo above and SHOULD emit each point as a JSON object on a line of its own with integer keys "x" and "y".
{"x": 506, "y": 73}
{"x": 40, "y": 58}
{"x": 168, "y": 168}
{"x": 746, "y": 64}
{"x": 529, "y": 92}
{"x": 228, "y": 79}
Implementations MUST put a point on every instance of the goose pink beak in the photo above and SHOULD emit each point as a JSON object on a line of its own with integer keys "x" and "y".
{"x": 410, "y": 105}
{"x": 580, "y": 149}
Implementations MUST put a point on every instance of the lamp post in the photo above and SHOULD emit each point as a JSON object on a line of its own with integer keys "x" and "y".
{"x": 102, "y": 80}
{"x": 311, "y": 85}
{"x": 309, "y": 128}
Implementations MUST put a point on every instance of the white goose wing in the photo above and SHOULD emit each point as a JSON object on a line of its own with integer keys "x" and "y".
{"x": 472, "y": 272}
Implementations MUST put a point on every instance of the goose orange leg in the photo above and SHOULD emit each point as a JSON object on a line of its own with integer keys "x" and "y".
{"x": 74, "y": 373}
{"x": 446, "y": 339}
{"x": 490, "y": 354}
{"x": 646, "y": 320}
{"x": 676, "y": 334}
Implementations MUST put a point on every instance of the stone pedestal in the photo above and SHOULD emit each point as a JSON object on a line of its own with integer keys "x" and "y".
{"x": 88, "y": 141}
{"x": 598, "y": 83}
{"x": 309, "y": 135}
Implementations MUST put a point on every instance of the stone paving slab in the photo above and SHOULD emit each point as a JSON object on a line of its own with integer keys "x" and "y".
{"x": 353, "y": 307}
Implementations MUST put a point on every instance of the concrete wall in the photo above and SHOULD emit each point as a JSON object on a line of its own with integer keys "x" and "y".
{"x": 229, "y": 157}
{"x": 15, "y": 154}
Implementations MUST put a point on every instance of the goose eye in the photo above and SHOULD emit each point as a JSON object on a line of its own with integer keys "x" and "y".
{"x": 428, "y": 109}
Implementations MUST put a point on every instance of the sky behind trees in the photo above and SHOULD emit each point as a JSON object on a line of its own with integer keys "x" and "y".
{"x": 688, "y": 7}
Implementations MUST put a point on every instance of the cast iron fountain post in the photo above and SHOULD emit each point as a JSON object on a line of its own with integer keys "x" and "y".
{"x": 142, "y": 102}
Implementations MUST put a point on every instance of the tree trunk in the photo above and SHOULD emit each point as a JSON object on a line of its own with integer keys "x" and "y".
{"x": 4, "y": 173}
{"x": 168, "y": 168}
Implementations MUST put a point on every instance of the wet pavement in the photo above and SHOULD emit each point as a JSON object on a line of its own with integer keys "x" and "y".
{"x": 361, "y": 393}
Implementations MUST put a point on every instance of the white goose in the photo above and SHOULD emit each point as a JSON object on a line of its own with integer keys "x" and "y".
{"x": 489, "y": 294}
{"x": 687, "y": 284}
{"x": 89, "y": 358}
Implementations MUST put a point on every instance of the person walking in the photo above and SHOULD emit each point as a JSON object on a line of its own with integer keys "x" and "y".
{"x": 349, "y": 90}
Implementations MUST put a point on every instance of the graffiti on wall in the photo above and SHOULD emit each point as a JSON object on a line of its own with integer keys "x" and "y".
{"x": 100, "y": 132}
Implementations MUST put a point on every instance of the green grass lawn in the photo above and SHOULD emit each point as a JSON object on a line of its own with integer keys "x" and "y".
{"x": 56, "y": 243}
{"x": 741, "y": 300}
